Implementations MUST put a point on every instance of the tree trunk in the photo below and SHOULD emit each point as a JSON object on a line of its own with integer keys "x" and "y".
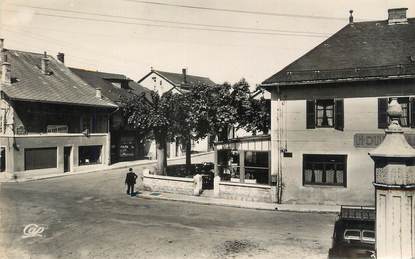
{"x": 161, "y": 156}
{"x": 188, "y": 153}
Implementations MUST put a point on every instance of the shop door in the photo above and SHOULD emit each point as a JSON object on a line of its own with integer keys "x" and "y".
{"x": 67, "y": 159}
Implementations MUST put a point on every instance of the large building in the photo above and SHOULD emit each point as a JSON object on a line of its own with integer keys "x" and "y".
{"x": 329, "y": 110}
{"x": 126, "y": 143}
{"x": 50, "y": 120}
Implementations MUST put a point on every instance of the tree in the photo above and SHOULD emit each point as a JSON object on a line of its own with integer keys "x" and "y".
{"x": 153, "y": 115}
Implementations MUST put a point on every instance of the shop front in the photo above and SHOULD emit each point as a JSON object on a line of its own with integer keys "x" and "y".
{"x": 243, "y": 166}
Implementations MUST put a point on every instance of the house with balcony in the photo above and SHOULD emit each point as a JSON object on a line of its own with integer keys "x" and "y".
{"x": 328, "y": 110}
{"x": 126, "y": 143}
{"x": 51, "y": 121}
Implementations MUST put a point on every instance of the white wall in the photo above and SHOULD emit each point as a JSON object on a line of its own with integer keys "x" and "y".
{"x": 360, "y": 116}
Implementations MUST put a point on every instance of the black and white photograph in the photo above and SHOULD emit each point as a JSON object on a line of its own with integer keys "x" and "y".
{"x": 216, "y": 129}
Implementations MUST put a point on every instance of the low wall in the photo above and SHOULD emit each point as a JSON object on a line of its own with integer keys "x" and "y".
{"x": 244, "y": 192}
{"x": 180, "y": 185}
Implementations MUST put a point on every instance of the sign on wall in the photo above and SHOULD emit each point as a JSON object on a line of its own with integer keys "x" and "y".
{"x": 374, "y": 140}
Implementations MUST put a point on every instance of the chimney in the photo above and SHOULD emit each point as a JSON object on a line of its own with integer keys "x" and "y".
{"x": 351, "y": 17}
{"x": 61, "y": 57}
{"x": 45, "y": 64}
{"x": 6, "y": 77}
{"x": 98, "y": 93}
{"x": 184, "y": 72}
{"x": 397, "y": 16}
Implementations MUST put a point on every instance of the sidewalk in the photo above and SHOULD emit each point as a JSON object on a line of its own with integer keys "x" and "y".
{"x": 103, "y": 169}
{"x": 240, "y": 204}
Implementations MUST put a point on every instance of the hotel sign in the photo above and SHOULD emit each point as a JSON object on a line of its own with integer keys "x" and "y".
{"x": 374, "y": 140}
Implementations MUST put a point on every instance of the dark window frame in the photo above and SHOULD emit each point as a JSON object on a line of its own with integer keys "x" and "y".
{"x": 324, "y": 160}
{"x": 336, "y": 116}
{"x": 324, "y": 110}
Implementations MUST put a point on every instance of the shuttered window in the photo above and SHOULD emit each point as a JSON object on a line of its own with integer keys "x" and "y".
{"x": 311, "y": 114}
{"x": 40, "y": 158}
{"x": 408, "y": 112}
{"x": 325, "y": 113}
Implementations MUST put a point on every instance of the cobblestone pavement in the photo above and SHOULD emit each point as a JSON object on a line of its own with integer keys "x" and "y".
{"x": 89, "y": 216}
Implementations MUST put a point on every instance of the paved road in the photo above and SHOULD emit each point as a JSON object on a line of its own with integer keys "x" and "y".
{"x": 89, "y": 216}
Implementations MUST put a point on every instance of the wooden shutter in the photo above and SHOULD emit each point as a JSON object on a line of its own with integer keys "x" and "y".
{"x": 311, "y": 114}
{"x": 412, "y": 111}
{"x": 382, "y": 115}
{"x": 339, "y": 112}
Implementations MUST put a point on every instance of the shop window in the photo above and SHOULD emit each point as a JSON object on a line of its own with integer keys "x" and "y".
{"x": 325, "y": 113}
{"x": 408, "y": 112}
{"x": 40, "y": 158}
{"x": 2, "y": 159}
{"x": 324, "y": 170}
{"x": 89, "y": 155}
{"x": 257, "y": 167}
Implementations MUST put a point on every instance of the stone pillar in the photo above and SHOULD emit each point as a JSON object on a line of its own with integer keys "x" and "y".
{"x": 395, "y": 191}
{"x": 215, "y": 161}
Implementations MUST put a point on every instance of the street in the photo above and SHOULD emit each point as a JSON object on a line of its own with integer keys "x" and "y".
{"x": 90, "y": 216}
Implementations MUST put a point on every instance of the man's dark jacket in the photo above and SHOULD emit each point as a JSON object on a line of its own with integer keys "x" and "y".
{"x": 131, "y": 178}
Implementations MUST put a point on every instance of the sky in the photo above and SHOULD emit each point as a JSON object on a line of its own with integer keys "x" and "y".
{"x": 225, "y": 40}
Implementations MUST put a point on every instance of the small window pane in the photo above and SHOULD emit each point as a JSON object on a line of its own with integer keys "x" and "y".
{"x": 352, "y": 234}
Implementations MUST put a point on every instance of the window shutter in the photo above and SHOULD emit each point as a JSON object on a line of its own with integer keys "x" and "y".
{"x": 311, "y": 114}
{"x": 412, "y": 107}
{"x": 382, "y": 114}
{"x": 339, "y": 111}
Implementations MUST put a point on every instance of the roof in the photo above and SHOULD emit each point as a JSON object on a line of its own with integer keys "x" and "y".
{"x": 103, "y": 80}
{"x": 359, "y": 51}
{"x": 177, "y": 79}
{"x": 60, "y": 86}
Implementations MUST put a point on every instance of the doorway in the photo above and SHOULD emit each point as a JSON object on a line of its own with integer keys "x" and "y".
{"x": 67, "y": 159}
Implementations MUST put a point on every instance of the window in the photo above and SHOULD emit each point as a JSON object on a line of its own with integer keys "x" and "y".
{"x": 324, "y": 170}
{"x": 89, "y": 155}
{"x": 408, "y": 112}
{"x": 257, "y": 167}
{"x": 352, "y": 234}
{"x": 325, "y": 113}
{"x": 86, "y": 122}
{"x": 40, "y": 158}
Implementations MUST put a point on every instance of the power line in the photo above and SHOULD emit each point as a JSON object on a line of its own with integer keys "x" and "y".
{"x": 239, "y": 11}
{"x": 169, "y": 21}
{"x": 176, "y": 27}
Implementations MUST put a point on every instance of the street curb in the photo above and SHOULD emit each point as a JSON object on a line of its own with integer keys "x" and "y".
{"x": 104, "y": 169}
{"x": 148, "y": 196}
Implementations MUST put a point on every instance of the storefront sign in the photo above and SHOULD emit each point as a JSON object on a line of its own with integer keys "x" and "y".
{"x": 374, "y": 140}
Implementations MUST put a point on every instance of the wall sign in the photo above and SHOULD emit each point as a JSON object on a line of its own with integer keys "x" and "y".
{"x": 374, "y": 140}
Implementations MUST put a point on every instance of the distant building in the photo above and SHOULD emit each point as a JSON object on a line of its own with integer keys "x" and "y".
{"x": 50, "y": 120}
{"x": 163, "y": 82}
{"x": 126, "y": 143}
{"x": 329, "y": 110}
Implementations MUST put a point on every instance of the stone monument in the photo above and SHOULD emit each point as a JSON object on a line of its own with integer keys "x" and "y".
{"x": 395, "y": 191}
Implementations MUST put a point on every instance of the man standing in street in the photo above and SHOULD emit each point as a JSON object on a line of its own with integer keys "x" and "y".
{"x": 130, "y": 180}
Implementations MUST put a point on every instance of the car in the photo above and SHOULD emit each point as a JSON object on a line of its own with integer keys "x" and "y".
{"x": 354, "y": 233}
